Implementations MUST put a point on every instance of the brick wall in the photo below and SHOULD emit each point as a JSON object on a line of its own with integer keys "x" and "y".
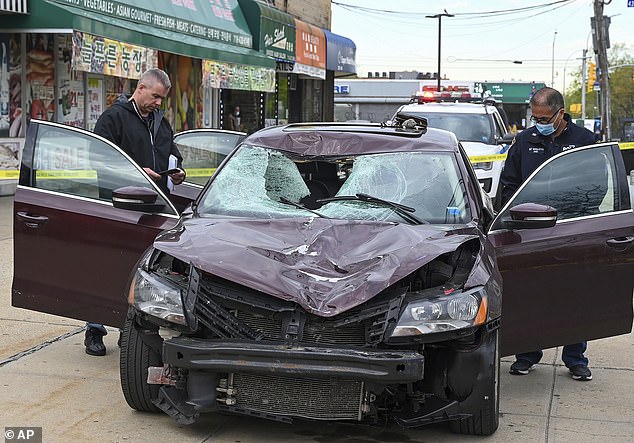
{"x": 315, "y": 12}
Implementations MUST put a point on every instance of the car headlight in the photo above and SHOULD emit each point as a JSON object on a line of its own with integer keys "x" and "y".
{"x": 443, "y": 313}
{"x": 156, "y": 296}
{"x": 487, "y": 166}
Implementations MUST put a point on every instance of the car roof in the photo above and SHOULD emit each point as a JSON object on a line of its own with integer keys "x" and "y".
{"x": 449, "y": 107}
{"x": 333, "y": 139}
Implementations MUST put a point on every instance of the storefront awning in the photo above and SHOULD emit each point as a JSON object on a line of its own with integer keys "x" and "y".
{"x": 175, "y": 29}
{"x": 273, "y": 30}
{"x": 341, "y": 54}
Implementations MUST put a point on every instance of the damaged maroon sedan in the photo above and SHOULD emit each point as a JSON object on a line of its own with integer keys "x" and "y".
{"x": 335, "y": 272}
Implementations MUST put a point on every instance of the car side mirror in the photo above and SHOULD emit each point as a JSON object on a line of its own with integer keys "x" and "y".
{"x": 530, "y": 216}
{"x": 506, "y": 139}
{"x": 135, "y": 198}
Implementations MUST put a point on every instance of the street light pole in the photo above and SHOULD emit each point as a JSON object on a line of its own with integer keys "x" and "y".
{"x": 439, "y": 17}
{"x": 552, "y": 71}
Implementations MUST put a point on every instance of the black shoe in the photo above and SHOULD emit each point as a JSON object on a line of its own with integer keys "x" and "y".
{"x": 580, "y": 372}
{"x": 521, "y": 367}
{"x": 94, "y": 342}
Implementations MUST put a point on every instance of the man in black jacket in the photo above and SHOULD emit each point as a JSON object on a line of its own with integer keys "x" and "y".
{"x": 554, "y": 132}
{"x": 137, "y": 126}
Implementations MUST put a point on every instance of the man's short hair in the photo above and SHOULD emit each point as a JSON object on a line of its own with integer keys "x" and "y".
{"x": 156, "y": 75}
{"x": 549, "y": 97}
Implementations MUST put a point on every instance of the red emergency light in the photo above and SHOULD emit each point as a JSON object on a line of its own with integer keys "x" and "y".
{"x": 447, "y": 93}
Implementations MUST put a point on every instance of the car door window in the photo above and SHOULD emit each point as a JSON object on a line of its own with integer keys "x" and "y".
{"x": 80, "y": 164}
{"x": 203, "y": 151}
{"x": 582, "y": 182}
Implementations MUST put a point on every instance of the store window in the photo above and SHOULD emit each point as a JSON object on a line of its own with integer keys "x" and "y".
{"x": 251, "y": 104}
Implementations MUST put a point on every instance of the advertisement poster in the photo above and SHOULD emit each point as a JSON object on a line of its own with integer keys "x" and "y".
{"x": 69, "y": 83}
{"x": 16, "y": 128}
{"x": 4, "y": 85}
{"x": 40, "y": 76}
{"x": 95, "y": 101}
{"x": 185, "y": 94}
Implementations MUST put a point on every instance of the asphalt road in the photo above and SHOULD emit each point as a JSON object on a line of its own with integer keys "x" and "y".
{"x": 48, "y": 381}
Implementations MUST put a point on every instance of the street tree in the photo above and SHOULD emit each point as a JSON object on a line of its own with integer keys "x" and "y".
{"x": 621, "y": 58}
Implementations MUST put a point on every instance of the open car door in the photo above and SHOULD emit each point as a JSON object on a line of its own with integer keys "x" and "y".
{"x": 74, "y": 248}
{"x": 203, "y": 150}
{"x": 565, "y": 248}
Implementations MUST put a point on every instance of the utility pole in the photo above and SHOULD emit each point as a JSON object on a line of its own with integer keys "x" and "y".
{"x": 439, "y": 17}
{"x": 583, "y": 84}
{"x": 600, "y": 50}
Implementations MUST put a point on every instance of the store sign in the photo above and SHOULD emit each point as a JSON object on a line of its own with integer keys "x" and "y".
{"x": 278, "y": 40}
{"x": 224, "y": 75}
{"x": 341, "y": 53}
{"x": 284, "y": 67}
{"x": 310, "y": 51}
{"x": 189, "y": 17}
{"x": 342, "y": 89}
{"x": 100, "y": 55}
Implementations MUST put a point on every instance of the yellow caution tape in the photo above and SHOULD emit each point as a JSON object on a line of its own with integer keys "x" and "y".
{"x": 65, "y": 174}
{"x": 9, "y": 174}
{"x": 626, "y": 146}
{"x": 200, "y": 172}
{"x": 487, "y": 158}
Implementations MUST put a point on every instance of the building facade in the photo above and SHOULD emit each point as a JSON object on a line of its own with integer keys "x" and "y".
{"x": 67, "y": 61}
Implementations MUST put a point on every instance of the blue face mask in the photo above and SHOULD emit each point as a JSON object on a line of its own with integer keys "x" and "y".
{"x": 547, "y": 129}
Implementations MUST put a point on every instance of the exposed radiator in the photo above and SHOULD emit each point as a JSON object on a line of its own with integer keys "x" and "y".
{"x": 317, "y": 399}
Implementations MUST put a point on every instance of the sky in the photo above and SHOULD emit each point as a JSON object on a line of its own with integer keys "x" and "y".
{"x": 549, "y": 40}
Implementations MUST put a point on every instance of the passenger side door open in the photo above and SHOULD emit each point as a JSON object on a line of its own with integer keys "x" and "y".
{"x": 571, "y": 281}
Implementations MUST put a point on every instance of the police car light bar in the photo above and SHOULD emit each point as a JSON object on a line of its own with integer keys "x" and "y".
{"x": 447, "y": 93}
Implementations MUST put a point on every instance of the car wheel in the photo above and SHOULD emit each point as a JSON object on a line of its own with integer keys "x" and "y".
{"x": 135, "y": 359}
{"x": 484, "y": 410}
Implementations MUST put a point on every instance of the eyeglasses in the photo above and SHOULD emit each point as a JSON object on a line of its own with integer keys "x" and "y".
{"x": 543, "y": 120}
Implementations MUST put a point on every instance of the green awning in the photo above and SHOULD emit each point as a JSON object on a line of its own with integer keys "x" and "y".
{"x": 274, "y": 30}
{"x": 144, "y": 27}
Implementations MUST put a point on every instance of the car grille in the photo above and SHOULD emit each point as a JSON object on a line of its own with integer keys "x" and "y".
{"x": 317, "y": 399}
{"x": 222, "y": 307}
{"x": 316, "y": 331}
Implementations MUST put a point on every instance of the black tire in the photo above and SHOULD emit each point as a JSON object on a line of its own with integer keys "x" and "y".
{"x": 485, "y": 411}
{"x": 135, "y": 359}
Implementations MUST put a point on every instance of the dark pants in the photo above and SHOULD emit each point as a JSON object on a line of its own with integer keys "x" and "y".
{"x": 572, "y": 355}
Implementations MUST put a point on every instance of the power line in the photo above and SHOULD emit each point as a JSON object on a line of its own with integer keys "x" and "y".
{"x": 458, "y": 14}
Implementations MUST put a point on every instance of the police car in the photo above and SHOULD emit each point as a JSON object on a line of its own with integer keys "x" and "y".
{"x": 479, "y": 127}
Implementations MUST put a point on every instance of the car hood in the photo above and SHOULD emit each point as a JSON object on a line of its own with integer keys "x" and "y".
{"x": 327, "y": 266}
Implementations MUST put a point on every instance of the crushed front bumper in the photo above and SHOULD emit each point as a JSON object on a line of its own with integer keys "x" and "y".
{"x": 385, "y": 366}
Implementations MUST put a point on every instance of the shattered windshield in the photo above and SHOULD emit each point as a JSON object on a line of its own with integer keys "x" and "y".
{"x": 259, "y": 182}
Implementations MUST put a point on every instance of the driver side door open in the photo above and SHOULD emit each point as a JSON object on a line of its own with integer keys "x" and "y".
{"x": 573, "y": 281}
{"x": 73, "y": 250}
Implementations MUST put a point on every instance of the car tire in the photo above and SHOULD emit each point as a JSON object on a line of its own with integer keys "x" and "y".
{"x": 484, "y": 418}
{"x": 135, "y": 359}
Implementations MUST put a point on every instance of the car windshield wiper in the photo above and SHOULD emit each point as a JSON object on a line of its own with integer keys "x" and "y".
{"x": 403, "y": 211}
{"x": 300, "y": 206}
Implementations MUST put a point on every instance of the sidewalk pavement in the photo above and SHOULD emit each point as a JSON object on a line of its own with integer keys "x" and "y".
{"x": 48, "y": 381}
